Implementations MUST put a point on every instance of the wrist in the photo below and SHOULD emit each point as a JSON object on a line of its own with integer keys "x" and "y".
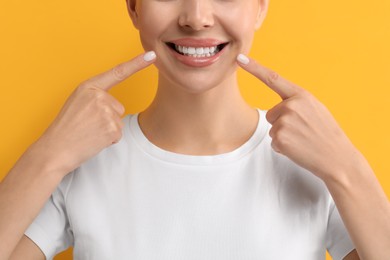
{"x": 354, "y": 171}
{"x": 46, "y": 161}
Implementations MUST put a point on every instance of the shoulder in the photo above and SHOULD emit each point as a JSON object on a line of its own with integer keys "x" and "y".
{"x": 101, "y": 167}
{"x": 293, "y": 185}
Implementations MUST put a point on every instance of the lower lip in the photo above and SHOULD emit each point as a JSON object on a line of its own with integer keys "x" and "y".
{"x": 199, "y": 61}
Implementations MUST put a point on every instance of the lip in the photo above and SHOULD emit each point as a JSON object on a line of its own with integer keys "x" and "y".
{"x": 197, "y": 61}
{"x": 194, "y": 42}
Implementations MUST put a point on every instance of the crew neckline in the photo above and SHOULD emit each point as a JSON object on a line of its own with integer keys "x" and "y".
{"x": 135, "y": 135}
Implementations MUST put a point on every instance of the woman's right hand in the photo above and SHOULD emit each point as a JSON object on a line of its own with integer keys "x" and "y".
{"x": 89, "y": 121}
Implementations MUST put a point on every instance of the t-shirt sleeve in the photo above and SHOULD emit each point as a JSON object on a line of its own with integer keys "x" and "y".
{"x": 50, "y": 230}
{"x": 338, "y": 242}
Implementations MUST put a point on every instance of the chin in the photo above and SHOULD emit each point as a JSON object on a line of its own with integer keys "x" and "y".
{"x": 196, "y": 81}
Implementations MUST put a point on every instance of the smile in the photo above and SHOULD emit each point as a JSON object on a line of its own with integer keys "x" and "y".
{"x": 197, "y": 52}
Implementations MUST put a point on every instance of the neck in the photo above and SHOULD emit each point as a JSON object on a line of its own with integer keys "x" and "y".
{"x": 211, "y": 122}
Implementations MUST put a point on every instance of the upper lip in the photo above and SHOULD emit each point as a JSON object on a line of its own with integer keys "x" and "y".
{"x": 197, "y": 42}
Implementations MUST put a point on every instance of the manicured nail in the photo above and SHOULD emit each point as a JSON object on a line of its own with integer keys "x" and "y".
{"x": 149, "y": 56}
{"x": 243, "y": 59}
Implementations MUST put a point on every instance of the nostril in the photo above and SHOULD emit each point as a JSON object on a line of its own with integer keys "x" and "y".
{"x": 196, "y": 27}
{"x": 196, "y": 21}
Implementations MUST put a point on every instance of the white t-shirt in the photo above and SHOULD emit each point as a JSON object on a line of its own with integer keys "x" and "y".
{"x": 137, "y": 201}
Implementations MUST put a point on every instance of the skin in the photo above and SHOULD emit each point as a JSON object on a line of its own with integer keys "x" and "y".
{"x": 197, "y": 104}
{"x": 66, "y": 144}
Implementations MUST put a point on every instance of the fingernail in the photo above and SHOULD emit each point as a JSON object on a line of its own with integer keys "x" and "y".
{"x": 243, "y": 59}
{"x": 149, "y": 56}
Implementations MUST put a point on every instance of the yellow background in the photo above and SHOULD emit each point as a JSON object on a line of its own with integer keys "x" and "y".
{"x": 338, "y": 50}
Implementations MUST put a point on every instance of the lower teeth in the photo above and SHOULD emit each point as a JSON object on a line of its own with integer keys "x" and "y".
{"x": 200, "y": 55}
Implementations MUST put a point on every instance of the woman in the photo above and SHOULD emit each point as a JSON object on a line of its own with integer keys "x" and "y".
{"x": 199, "y": 174}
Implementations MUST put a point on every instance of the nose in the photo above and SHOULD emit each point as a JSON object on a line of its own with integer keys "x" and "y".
{"x": 196, "y": 14}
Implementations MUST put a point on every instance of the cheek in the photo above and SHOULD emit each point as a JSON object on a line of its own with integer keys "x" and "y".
{"x": 149, "y": 35}
{"x": 152, "y": 25}
{"x": 241, "y": 30}
{"x": 145, "y": 40}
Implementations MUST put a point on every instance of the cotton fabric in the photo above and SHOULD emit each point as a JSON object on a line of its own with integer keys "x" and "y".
{"x": 137, "y": 201}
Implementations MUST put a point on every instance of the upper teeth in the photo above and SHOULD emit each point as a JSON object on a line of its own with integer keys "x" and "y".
{"x": 197, "y": 51}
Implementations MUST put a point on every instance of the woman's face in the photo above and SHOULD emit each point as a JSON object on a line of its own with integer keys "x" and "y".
{"x": 197, "y": 41}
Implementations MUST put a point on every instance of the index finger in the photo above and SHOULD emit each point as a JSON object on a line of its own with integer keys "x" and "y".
{"x": 119, "y": 73}
{"x": 281, "y": 86}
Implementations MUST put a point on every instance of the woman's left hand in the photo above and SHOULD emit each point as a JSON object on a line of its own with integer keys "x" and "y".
{"x": 303, "y": 129}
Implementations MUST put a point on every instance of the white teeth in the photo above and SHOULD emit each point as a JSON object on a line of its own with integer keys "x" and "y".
{"x": 197, "y": 51}
{"x": 191, "y": 50}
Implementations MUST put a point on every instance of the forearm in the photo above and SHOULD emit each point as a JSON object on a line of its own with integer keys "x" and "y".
{"x": 364, "y": 208}
{"x": 23, "y": 192}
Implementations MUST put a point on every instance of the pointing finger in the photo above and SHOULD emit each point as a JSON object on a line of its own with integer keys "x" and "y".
{"x": 119, "y": 73}
{"x": 281, "y": 86}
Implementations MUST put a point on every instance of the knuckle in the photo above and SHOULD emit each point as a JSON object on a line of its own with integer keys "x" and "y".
{"x": 88, "y": 84}
{"x": 119, "y": 72}
{"x": 272, "y": 77}
{"x": 100, "y": 97}
{"x": 272, "y": 132}
{"x": 269, "y": 117}
{"x": 106, "y": 111}
{"x": 292, "y": 106}
{"x": 82, "y": 86}
{"x": 280, "y": 139}
{"x": 113, "y": 129}
{"x": 284, "y": 121}
{"x": 87, "y": 93}
{"x": 120, "y": 107}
